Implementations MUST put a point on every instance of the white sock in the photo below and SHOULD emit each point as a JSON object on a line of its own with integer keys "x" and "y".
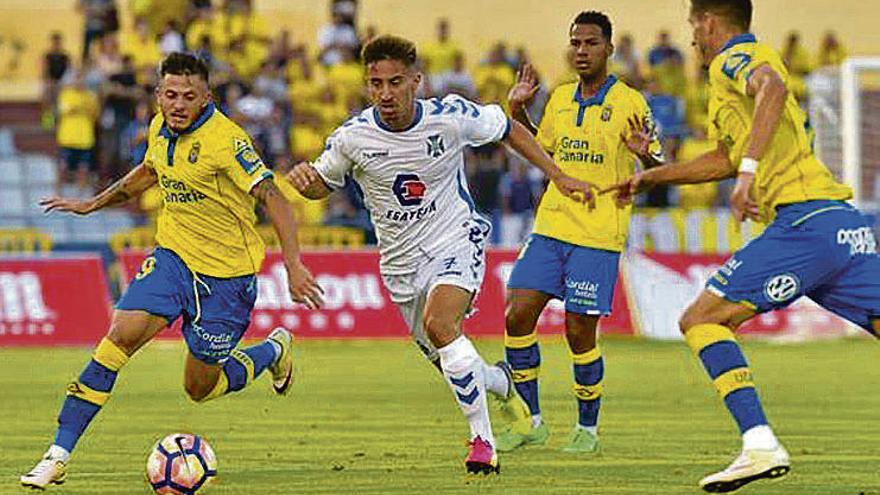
{"x": 56, "y": 452}
{"x": 463, "y": 369}
{"x": 496, "y": 380}
{"x": 760, "y": 438}
{"x": 592, "y": 429}
{"x": 536, "y": 420}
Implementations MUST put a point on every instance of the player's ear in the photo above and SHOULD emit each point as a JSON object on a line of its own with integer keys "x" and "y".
{"x": 609, "y": 49}
{"x": 417, "y": 78}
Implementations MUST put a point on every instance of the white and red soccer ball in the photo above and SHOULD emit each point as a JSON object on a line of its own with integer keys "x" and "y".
{"x": 181, "y": 464}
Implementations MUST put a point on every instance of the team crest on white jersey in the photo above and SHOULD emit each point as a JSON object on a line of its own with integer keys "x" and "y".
{"x": 435, "y": 146}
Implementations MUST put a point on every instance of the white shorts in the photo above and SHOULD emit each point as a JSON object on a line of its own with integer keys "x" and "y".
{"x": 462, "y": 267}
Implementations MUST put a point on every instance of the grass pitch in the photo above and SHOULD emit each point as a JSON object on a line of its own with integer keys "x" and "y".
{"x": 371, "y": 417}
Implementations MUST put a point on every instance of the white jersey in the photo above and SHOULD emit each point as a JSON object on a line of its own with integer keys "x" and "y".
{"x": 414, "y": 180}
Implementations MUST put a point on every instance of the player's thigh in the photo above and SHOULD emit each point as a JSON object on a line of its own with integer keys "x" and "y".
{"x": 711, "y": 308}
{"x": 445, "y": 309}
{"x": 153, "y": 299}
{"x": 590, "y": 276}
{"x": 522, "y": 308}
{"x": 216, "y": 315}
{"x": 540, "y": 267}
{"x": 782, "y": 264}
{"x": 854, "y": 293}
{"x": 130, "y": 330}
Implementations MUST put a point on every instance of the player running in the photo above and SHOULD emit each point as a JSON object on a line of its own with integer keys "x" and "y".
{"x": 595, "y": 129}
{"x": 817, "y": 245}
{"x": 407, "y": 157}
{"x": 203, "y": 268}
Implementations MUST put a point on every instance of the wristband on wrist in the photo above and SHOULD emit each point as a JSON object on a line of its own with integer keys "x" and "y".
{"x": 748, "y": 166}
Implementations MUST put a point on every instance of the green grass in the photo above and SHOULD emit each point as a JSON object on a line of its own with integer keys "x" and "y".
{"x": 373, "y": 418}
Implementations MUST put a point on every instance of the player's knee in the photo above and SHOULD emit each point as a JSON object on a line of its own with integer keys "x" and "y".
{"x": 517, "y": 320}
{"x": 123, "y": 340}
{"x": 197, "y": 392}
{"x": 441, "y": 329}
{"x": 694, "y": 316}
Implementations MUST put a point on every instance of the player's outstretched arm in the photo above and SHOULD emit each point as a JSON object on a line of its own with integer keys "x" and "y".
{"x": 709, "y": 167}
{"x": 138, "y": 180}
{"x": 306, "y": 180}
{"x": 302, "y": 286}
{"x": 524, "y": 143}
{"x": 521, "y": 94}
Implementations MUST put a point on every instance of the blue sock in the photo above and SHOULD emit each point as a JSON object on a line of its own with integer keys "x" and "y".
{"x": 589, "y": 368}
{"x": 245, "y": 365}
{"x": 729, "y": 371}
{"x": 88, "y": 394}
{"x": 524, "y": 356}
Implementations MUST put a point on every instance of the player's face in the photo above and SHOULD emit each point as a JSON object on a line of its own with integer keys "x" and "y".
{"x": 392, "y": 86}
{"x": 702, "y": 28}
{"x": 182, "y": 99}
{"x": 589, "y": 50}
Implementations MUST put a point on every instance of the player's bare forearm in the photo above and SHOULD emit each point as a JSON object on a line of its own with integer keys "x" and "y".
{"x": 302, "y": 286}
{"x": 521, "y": 115}
{"x": 523, "y": 142}
{"x": 281, "y": 215}
{"x": 770, "y": 94}
{"x": 135, "y": 182}
{"x": 709, "y": 167}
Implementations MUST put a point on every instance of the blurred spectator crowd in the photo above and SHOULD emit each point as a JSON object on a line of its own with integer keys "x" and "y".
{"x": 289, "y": 96}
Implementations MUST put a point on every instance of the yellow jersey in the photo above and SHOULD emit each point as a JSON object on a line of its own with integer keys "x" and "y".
{"x": 788, "y": 172}
{"x": 77, "y": 115}
{"x": 585, "y": 138}
{"x": 205, "y": 175}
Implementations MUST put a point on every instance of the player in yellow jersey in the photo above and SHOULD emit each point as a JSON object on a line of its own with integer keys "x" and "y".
{"x": 596, "y": 129}
{"x": 817, "y": 245}
{"x": 204, "y": 267}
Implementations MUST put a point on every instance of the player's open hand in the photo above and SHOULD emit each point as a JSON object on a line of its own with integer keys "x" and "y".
{"x": 77, "y": 206}
{"x": 525, "y": 88}
{"x": 303, "y": 287}
{"x": 302, "y": 176}
{"x": 575, "y": 189}
{"x": 741, "y": 203}
{"x": 625, "y": 191}
{"x": 638, "y": 139}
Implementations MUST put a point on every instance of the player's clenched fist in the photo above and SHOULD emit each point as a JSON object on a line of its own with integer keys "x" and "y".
{"x": 302, "y": 176}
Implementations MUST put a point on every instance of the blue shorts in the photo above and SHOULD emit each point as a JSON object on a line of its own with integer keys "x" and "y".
{"x": 582, "y": 277}
{"x": 824, "y": 250}
{"x": 74, "y": 159}
{"x": 216, "y": 311}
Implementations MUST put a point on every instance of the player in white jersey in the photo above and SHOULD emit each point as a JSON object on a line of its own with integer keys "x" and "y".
{"x": 407, "y": 156}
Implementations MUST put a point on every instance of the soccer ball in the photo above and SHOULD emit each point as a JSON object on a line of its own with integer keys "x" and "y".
{"x": 181, "y": 464}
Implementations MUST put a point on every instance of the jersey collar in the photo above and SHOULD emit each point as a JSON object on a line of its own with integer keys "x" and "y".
{"x": 164, "y": 131}
{"x": 416, "y": 119}
{"x": 599, "y": 97}
{"x": 738, "y": 39}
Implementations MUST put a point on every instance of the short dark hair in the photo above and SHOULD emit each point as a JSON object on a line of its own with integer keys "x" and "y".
{"x": 184, "y": 64}
{"x": 594, "y": 17}
{"x": 387, "y": 47}
{"x": 737, "y": 12}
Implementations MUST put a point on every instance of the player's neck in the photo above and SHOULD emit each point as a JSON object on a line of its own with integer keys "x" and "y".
{"x": 403, "y": 121}
{"x": 589, "y": 86}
